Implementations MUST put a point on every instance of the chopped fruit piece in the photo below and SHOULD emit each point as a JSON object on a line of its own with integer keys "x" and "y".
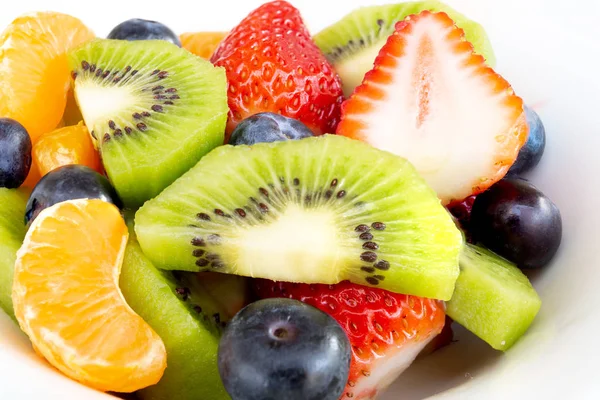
{"x": 352, "y": 44}
{"x": 517, "y": 221}
{"x": 202, "y": 44}
{"x": 67, "y": 299}
{"x": 69, "y": 183}
{"x": 34, "y": 70}
{"x": 284, "y": 349}
{"x": 72, "y": 115}
{"x": 432, "y": 100}
{"x": 493, "y": 299}
{"x": 268, "y": 127}
{"x": 386, "y": 330}
{"x": 533, "y": 150}
{"x": 12, "y": 232}
{"x": 273, "y": 65}
{"x": 327, "y": 208}
{"x": 143, "y": 29}
{"x": 66, "y": 146}
{"x": 15, "y": 153}
{"x": 152, "y": 108}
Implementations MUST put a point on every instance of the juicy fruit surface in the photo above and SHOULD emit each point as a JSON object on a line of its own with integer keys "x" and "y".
{"x": 69, "y": 183}
{"x": 66, "y": 146}
{"x": 386, "y": 330}
{"x": 327, "y": 209}
{"x": 15, "y": 153}
{"x": 492, "y": 299}
{"x": 273, "y": 65}
{"x": 12, "y": 232}
{"x": 431, "y": 99}
{"x": 143, "y": 29}
{"x": 72, "y": 309}
{"x": 531, "y": 153}
{"x": 33, "y": 68}
{"x": 284, "y": 349}
{"x": 202, "y": 44}
{"x": 352, "y": 44}
{"x": 184, "y": 317}
{"x": 268, "y": 127}
{"x": 517, "y": 221}
{"x": 152, "y": 108}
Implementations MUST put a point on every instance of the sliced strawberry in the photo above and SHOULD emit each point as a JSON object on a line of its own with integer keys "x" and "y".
{"x": 431, "y": 99}
{"x": 273, "y": 65}
{"x": 386, "y": 330}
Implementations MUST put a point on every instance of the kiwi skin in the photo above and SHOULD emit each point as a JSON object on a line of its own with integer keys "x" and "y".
{"x": 12, "y": 233}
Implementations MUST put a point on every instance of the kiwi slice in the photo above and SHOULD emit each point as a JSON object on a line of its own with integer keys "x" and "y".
{"x": 12, "y": 233}
{"x": 187, "y": 317}
{"x": 321, "y": 209}
{"x": 152, "y": 108}
{"x": 353, "y": 43}
{"x": 492, "y": 299}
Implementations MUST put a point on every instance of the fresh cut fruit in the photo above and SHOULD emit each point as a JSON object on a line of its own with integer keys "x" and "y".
{"x": 431, "y": 99}
{"x": 493, "y": 298}
{"x": 352, "y": 44}
{"x": 12, "y": 232}
{"x": 67, "y": 299}
{"x": 273, "y": 65}
{"x": 386, "y": 330}
{"x": 152, "y": 108}
{"x": 34, "y": 70}
{"x": 188, "y": 311}
{"x": 202, "y": 44}
{"x": 316, "y": 210}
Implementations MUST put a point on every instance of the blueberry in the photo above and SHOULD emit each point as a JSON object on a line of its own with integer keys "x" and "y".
{"x": 268, "y": 127}
{"x": 531, "y": 153}
{"x": 15, "y": 153}
{"x": 69, "y": 183}
{"x": 284, "y": 349}
{"x": 142, "y": 29}
{"x": 518, "y": 222}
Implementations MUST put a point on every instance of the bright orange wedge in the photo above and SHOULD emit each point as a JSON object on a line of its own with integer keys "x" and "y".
{"x": 67, "y": 299}
{"x": 33, "y": 68}
{"x": 202, "y": 44}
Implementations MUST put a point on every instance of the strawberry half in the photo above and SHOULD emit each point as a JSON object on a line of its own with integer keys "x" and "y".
{"x": 273, "y": 65}
{"x": 432, "y": 100}
{"x": 386, "y": 330}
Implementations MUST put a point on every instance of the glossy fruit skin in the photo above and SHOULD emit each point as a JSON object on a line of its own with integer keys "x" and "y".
{"x": 268, "y": 127}
{"x": 533, "y": 150}
{"x": 518, "y": 222}
{"x": 142, "y": 29}
{"x": 15, "y": 153}
{"x": 284, "y": 349}
{"x": 69, "y": 183}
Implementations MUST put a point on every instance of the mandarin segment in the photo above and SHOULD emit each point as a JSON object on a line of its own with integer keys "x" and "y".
{"x": 202, "y": 44}
{"x": 67, "y": 299}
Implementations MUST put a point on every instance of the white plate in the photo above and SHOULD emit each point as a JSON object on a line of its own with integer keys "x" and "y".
{"x": 549, "y": 50}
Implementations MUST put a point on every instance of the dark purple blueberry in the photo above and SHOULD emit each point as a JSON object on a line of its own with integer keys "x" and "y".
{"x": 518, "y": 222}
{"x": 531, "y": 153}
{"x": 268, "y": 127}
{"x": 15, "y": 153}
{"x": 284, "y": 349}
{"x": 142, "y": 29}
{"x": 69, "y": 183}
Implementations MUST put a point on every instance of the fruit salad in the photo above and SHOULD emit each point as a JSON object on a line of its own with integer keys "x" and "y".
{"x": 265, "y": 212}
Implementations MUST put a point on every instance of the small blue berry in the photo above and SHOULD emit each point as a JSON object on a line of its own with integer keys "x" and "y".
{"x": 142, "y": 29}
{"x": 268, "y": 127}
{"x": 15, "y": 153}
{"x": 531, "y": 153}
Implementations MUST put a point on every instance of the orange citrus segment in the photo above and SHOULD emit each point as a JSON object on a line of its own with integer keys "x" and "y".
{"x": 202, "y": 44}
{"x": 34, "y": 73}
{"x": 34, "y": 175}
{"x": 65, "y": 146}
{"x": 67, "y": 299}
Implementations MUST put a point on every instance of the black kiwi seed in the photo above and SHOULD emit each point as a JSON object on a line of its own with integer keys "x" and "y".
{"x": 382, "y": 265}
{"x": 157, "y": 108}
{"x": 217, "y": 318}
{"x": 202, "y": 262}
{"x": 169, "y": 102}
{"x": 198, "y": 242}
{"x": 378, "y": 226}
{"x": 341, "y": 194}
{"x": 369, "y": 270}
{"x": 118, "y": 133}
{"x": 203, "y": 216}
{"x": 137, "y": 116}
{"x": 106, "y": 138}
{"x": 128, "y": 130}
{"x": 111, "y": 124}
{"x": 334, "y": 182}
{"x": 366, "y": 236}
{"x": 156, "y": 71}
{"x": 370, "y": 246}
{"x": 198, "y": 309}
{"x": 372, "y": 281}
{"x": 94, "y": 135}
{"x": 142, "y": 126}
{"x": 183, "y": 292}
{"x": 134, "y": 72}
{"x": 263, "y": 208}
{"x": 264, "y": 192}
{"x": 328, "y": 194}
{"x": 146, "y": 114}
{"x": 159, "y": 87}
{"x": 379, "y": 277}
{"x": 198, "y": 253}
{"x": 240, "y": 212}
{"x": 296, "y": 181}
{"x": 368, "y": 256}
{"x": 362, "y": 228}
{"x": 85, "y": 65}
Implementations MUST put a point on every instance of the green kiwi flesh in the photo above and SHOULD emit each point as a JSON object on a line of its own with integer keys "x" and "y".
{"x": 12, "y": 233}
{"x": 353, "y": 43}
{"x": 188, "y": 319}
{"x": 152, "y": 108}
{"x": 317, "y": 210}
{"x": 493, "y": 298}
